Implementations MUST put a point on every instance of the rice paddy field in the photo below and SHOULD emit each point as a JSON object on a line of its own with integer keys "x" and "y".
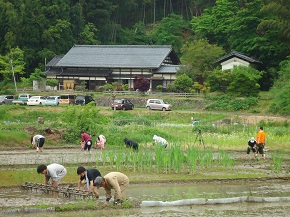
{"x": 213, "y": 150}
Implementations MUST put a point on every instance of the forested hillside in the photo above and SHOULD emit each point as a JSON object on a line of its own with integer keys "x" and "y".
{"x": 32, "y": 32}
{"x": 43, "y": 29}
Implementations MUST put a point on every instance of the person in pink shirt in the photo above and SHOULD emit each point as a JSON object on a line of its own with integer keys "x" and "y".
{"x": 87, "y": 139}
{"x": 101, "y": 142}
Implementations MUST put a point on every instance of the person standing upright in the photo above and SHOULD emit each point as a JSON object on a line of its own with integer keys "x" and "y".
{"x": 261, "y": 139}
{"x": 87, "y": 139}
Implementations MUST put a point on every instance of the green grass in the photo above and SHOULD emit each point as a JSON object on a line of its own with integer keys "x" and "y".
{"x": 185, "y": 154}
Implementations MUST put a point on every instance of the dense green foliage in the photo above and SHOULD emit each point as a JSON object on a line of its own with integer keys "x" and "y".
{"x": 33, "y": 32}
{"x": 43, "y": 29}
{"x": 281, "y": 105}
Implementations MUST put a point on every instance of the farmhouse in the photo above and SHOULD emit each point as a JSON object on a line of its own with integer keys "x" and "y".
{"x": 96, "y": 65}
{"x": 238, "y": 59}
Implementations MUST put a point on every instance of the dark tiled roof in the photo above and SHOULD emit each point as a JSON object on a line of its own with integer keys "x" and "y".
{"x": 117, "y": 56}
{"x": 169, "y": 69}
{"x": 68, "y": 72}
{"x": 54, "y": 61}
{"x": 238, "y": 55}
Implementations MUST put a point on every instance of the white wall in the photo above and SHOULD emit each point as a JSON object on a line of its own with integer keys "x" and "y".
{"x": 229, "y": 64}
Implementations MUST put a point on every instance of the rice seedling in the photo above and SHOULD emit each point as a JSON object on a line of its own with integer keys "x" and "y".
{"x": 192, "y": 158}
{"x": 135, "y": 160}
{"x": 126, "y": 161}
{"x": 119, "y": 157}
{"x": 224, "y": 159}
{"x": 277, "y": 162}
{"x": 177, "y": 157}
{"x": 111, "y": 155}
{"x": 159, "y": 155}
{"x": 104, "y": 157}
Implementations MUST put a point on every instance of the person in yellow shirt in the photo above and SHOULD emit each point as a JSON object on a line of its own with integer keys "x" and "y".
{"x": 261, "y": 139}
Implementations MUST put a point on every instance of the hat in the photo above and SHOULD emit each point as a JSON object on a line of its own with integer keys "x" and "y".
{"x": 252, "y": 139}
{"x": 98, "y": 180}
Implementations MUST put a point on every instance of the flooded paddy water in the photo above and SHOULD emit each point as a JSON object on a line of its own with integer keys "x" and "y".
{"x": 264, "y": 193}
{"x": 255, "y": 198}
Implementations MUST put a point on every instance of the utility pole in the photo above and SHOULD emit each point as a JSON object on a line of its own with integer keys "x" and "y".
{"x": 13, "y": 75}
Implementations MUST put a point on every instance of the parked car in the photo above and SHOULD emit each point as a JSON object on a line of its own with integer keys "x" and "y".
{"x": 122, "y": 104}
{"x": 22, "y": 99}
{"x": 158, "y": 104}
{"x": 36, "y": 100}
{"x": 67, "y": 99}
{"x": 52, "y": 100}
{"x": 6, "y": 99}
{"x": 84, "y": 100}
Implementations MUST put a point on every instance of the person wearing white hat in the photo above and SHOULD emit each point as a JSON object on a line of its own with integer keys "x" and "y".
{"x": 252, "y": 146}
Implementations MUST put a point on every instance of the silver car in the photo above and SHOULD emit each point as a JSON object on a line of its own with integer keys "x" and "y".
{"x": 158, "y": 104}
{"x": 6, "y": 99}
{"x": 52, "y": 100}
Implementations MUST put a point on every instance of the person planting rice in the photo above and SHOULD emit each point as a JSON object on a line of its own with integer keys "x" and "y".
{"x": 160, "y": 140}
{"x": 116, "y": 181}
{"x": 89, "y": 176}
{"x": 101, "y": 142}
{"x": 37, "y": 142}
{"x": 87, "y": 140}
{"x": 54, "y": 171}
{"x": 252, "y": 146}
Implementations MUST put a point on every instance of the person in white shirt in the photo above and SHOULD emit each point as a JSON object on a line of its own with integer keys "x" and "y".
{"x": 54, "y": 171}
{"x": 160, "y": 140}
{"x": 37, "y": 142}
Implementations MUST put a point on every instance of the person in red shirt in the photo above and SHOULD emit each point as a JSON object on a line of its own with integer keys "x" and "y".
{"x": 87, "y": 139}
{"x": 261, "y": 139}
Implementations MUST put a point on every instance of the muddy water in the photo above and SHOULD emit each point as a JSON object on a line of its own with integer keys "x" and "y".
{"x": 10, "y": 198}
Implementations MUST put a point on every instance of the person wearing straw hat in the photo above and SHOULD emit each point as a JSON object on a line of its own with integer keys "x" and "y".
{"x": 116, "y": 181}
{"x": 252, "y": 146}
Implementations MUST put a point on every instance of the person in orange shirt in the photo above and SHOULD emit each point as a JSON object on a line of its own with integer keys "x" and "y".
{"x": 261, "y": 138}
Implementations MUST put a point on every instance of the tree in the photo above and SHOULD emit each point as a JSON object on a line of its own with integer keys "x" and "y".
{"x": 89, "y": 35}
{"x": 219, "y": 80}
{"x": 279, "y": 21}
{"x": 241, "y": 26}
{"x": 200, "y": 56}
{"x": 37, "y": 75}
{"x": 281, "y": 104}
{"x": 134, "y": 36}
{"x": 245, "y": 82}
{"x": 52, "y": 82}
{"x": 183, "y": 83}
{"x": 170, "y": 31}
{"x": 13, "y": 60}
{"x": 142, "y": 84}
